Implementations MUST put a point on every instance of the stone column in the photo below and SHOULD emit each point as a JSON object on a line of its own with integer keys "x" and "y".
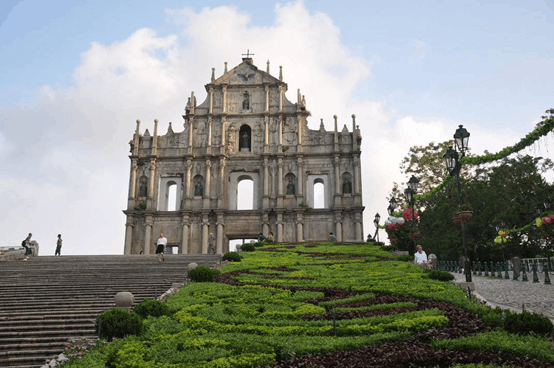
{"x": 338, "y": 230}
{"x": 137, "y": 139}
{"x": 336, "y": 134}
{"x": 223, "y": 135}
{"x": 300, "y": 177}
{"x": 207, "y": 191}
{"x": 148, "y": 234}
{"x": 279, "y": 227}
{"x": 222, "y": 183}
{"x": 336, "y": 164}
{"x": 266, "y": 176}
{"x": 280, "y": 182}
{"x": 211, "y": 91}
{"x": 359, "y": 232}
{"x": 266, "y": 133}
{"x": 205, "y": 233}
{"x": 152, "y": 190}
{"x": 210, "y": 124}
{"x": 265, "y": 219}
{"x": 354, "y": 143}
{"x": 224, "y": 88}
{"x": 132, "y": 184}
{"x": 155, "y": 139}
{"x": 220, "y": 233}
{"x": 191, "y": 134}
{"x": 357, "y": 181}
{"x": 186, "y": 235}
{"x": 280, "y": 131}
{"x": 281, "y": 95}
{"x": 266, "y": 98}
{"x": 128, "y": 235}
{"x": 299, "y": 227}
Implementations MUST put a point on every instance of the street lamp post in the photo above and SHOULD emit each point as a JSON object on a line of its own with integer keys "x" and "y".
{"x": 547, "y": 205}
{"x": 410, "y": 192}
{"x": 453, "y": 165}
{"x": 376, "y": 223}
{"x": 498, "y": 227}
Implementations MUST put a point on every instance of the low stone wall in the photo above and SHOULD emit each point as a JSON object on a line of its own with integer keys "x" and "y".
{"x": 12, "y": 253}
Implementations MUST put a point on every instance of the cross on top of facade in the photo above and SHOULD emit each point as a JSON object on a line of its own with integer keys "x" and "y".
{"x": 248, "y": 54}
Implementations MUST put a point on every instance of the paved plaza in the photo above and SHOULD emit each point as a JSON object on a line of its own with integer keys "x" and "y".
{"x": 515, "y": 294}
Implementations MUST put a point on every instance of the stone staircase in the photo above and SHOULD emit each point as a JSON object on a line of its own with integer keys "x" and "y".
{"x": 46, "y": 301}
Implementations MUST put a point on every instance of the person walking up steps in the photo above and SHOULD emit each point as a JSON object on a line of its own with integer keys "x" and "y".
{"x": 59, "y": 246}
{"x": 160, "y": 249}
{"x": 26, "y": 244}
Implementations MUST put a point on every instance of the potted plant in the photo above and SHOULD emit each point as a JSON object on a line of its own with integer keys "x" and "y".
{"x": 465, "y": 211}
{"x": 457, "y": 220}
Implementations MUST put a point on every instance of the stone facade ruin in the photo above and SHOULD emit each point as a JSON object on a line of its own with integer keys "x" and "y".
{"x": 246, "y": 129}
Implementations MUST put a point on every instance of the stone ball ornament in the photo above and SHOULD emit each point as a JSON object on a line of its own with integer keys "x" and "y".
{"x": 124, "y": 299}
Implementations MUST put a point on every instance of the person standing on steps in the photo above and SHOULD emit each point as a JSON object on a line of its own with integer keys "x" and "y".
{"x": 26, "y": 244}
{"x": 160, "y": 249}
{"x": 59, "y": 246}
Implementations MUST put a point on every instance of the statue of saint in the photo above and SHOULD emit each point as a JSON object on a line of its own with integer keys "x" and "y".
{"x": 246, "y": 102}
{"x": 347, "y": 186}
{"x": 245, "y": 141}
{"x": 199, "y": 189}
{"x": 143, "y": 187}
{"x": 290, "y": 187}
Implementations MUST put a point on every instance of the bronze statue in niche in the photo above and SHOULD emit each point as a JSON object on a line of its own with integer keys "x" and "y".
{"x": 199, "y": 189}
{"x": 246, "y": 101}
{"x": 347, "y": 185}
{"x": 143, "y": 187}
{"x": 245, "y": 135}
{"x": 290, "y": 187}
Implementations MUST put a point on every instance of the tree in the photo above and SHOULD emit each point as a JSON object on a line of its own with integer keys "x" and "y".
{"x": 509, "y": 192}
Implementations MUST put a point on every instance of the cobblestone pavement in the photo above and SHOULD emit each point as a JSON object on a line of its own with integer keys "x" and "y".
{"x": 515, "y": 294}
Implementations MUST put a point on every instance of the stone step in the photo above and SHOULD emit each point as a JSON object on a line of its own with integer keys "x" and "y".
{"x": 60, "y": 332}
{"x": 34, "y": 360}
{"x": 48, "y": 300}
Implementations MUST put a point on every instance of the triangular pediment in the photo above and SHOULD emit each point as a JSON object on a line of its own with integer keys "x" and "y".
{"x": 246, "y": 73}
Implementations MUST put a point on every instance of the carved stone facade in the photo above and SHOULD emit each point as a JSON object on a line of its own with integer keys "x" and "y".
{"x": 246, "y": 129}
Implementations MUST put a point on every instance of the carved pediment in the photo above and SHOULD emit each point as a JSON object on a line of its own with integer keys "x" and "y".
{"x": 244, "y": 74}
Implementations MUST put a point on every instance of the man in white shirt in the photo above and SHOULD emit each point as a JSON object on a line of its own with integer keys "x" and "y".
{"x": 420, "y": 257}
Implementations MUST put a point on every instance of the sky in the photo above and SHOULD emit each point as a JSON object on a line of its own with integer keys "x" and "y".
{"x": 76, "y": 75}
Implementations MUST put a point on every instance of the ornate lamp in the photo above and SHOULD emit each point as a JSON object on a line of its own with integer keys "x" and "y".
{"x": 413, "y": 183}
{"x": 462, "y": 139}
{"x": 450, "y": 159}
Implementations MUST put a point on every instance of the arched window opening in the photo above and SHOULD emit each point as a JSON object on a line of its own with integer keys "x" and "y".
{"x": 319, "y": 194}
{"x": 245, "y": 138}
{"x": 245, "y": 194}
{"x": 172, "y": 197}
